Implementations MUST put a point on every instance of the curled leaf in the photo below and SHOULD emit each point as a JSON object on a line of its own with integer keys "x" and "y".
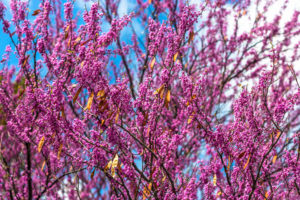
{"x": 160, "y": 91}
{"x": 152, "y": 63}
{"x": 247, "y": 162}
{"x": 41, "y": 143}
{"x": 175, "y": 57}
{"x": 90, "y": 101}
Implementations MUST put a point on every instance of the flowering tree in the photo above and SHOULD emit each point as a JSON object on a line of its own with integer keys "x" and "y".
{"x": 164, "y": 114}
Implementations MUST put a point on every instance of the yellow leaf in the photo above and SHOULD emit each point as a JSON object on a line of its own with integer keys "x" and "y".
{"x": 115, "y": 161}
{"x": 190, "y": 119}
{"x": 69, "y": 42}
{"x": 247, "y": 162}
{"x": 215, "y": 180}
{"x": 152, "y": 63}
{"x": 90, "y": 101}
{"x": 175, "y": 57}
{"x": 59, "y": 151}
{"x": 114, "y": 165}
{"x": 274, "y": 159}
{"x": 41, "y": 143}
{"x": 163, "y": 179}
{"x": 146, "y": 191}
{"x": 67, "y": 28}
{"x": 82, "y": 63}
{"x": 168, "y": 97}
{"x": 278, "y": 134}
{"x": 77, "y": 94}
{"x": 266, "y": 196}
{"x": 43, "y": 165}
{"x": 219, "y": 193}
{"x": 107, "y": 167}
{"x": 78, "y": 39}
{"x": 160, "y": 91}
{"x": 101, "y": 93}
{"x": 117, "y": 116}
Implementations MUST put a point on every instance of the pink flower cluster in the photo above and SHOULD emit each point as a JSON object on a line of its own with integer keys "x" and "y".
{"x": 172, "y": 101}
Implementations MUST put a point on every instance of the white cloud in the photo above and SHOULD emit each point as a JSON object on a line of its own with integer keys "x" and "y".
{"x": 82, "y": 4}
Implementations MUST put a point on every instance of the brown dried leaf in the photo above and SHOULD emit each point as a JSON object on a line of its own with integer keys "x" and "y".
{"x": 77, "y": 94}
{"x": 59, "y": 151}
{"x": 191, "y": 37}
{"x": 241, "y": 155}
{"x": 36, "y": 12}
{"x": 92, "y": 174}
